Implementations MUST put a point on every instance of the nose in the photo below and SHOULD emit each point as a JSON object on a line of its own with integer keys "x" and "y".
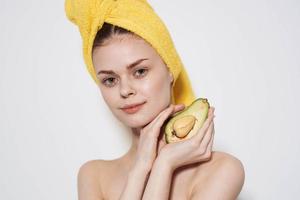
{"x": 126, "y": 89}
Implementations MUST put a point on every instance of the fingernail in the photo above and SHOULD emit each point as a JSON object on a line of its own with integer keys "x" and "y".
{"x": 181, "y": 105}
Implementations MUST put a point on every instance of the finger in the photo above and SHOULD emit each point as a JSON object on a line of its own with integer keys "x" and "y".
{"x": 178, "y": 108}
{"x": 158, "y": 116}
{"x": 157, "y": 123}
{"x": 167, "y": 112}
{"x": 211, "y": 111}
{"x": 207, "y": 137}
{"x": 203, "y": 129}
{"x": 161, "y": 119}
{"x": 210, "y": 145}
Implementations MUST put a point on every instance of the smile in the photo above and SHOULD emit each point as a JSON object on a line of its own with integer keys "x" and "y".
{"x": 134, "y": 109}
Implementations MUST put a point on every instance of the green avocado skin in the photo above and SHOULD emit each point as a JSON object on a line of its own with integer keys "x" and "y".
{"x": 198, "y": 108}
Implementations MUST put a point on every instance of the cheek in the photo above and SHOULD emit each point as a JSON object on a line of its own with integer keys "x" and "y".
{"x": 150, "y": 87}
{"x": 108, "y": 96}
{"x": 157, "y": 87}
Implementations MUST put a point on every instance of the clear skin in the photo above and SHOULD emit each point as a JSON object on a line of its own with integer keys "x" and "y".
{"x": 150, "y": 82}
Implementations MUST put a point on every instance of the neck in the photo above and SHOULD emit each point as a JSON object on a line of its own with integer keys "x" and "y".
{"x": 135, "y": 140}
{"x": 130, "y": 156}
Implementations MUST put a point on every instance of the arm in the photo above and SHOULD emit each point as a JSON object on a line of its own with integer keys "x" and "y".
{"x": 146, "y": 156}
{"x": 135, "y": 184}
{"x": 172, "y": 156}
{"x": 158, "y": 186}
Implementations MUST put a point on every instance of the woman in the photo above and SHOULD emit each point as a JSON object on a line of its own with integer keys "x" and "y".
{"x": 134, "y": 66}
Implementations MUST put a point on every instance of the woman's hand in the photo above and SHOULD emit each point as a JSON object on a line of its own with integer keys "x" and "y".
{"x": 149, "y": 137}
{"x": 195, "y": 149}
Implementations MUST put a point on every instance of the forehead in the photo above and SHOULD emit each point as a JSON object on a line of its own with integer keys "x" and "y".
{"x": 121, "y": 50}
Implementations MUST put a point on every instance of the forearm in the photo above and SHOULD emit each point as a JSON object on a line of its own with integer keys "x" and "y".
{"x": 135, "y": 184}
{"x": 158, "y": 185}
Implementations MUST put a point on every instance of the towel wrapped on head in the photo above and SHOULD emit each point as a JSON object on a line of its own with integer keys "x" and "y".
{"x": 138, "y": 17}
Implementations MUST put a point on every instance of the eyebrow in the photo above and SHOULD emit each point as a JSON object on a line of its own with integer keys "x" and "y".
{"x": 128, "y": 67}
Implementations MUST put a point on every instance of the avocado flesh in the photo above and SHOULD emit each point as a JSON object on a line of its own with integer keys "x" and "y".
{"x": 199, "y": 109}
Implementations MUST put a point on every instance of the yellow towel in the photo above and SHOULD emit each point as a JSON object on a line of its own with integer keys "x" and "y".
{"x": 139, "y": 17}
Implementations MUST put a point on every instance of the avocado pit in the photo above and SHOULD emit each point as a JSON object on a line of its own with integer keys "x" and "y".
{"x": 184, "y": 125}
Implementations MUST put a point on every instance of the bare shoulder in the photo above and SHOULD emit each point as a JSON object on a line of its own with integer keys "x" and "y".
{"x": 219, "y": 157}
{"x": 89, "y": 179}
{"x": 221, "y": 160}
{"x": 223, "y": 175}
{"x": 229, "y": 164}
{"x": 91, "y": 169}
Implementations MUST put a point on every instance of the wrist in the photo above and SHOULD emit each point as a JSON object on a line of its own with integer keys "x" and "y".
{"x": 164, "y": 163}
{"x": 139, "y": 169}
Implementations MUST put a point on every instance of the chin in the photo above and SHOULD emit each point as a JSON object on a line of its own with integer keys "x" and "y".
{"x": 140, "y": 122}
{"x": 137, "y": 120}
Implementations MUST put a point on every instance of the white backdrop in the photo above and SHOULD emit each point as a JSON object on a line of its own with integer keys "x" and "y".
{"x": 244, "y": 56}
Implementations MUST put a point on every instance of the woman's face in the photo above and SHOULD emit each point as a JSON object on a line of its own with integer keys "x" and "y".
{"x": 130, "y": 71}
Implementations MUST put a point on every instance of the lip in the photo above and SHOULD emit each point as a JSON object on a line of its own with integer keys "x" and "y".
{"x": 133, "y": 108}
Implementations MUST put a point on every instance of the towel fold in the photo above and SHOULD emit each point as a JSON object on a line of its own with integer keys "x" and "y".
{"x": 136, "y": 16}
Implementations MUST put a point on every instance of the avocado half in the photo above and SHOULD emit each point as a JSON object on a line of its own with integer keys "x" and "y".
{"x": 186, "y": 123}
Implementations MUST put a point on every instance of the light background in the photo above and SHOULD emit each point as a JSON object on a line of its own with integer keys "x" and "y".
{"x": 244, "y": 56}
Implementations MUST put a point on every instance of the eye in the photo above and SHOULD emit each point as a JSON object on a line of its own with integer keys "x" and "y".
{"x": 108, "y": 81}
{"x": 141, "y": 71}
